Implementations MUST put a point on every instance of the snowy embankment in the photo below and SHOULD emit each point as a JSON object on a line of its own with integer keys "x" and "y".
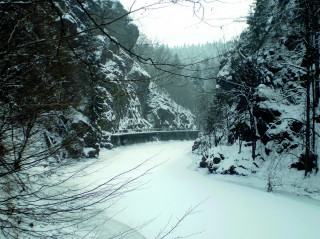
{"x": 163, "y": 195}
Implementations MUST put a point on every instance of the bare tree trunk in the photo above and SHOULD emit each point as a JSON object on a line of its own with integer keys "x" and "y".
{"x": 313, "y": 117}
{"x": 308, "y": 105}
{"x": 253, "y": 133}
{"x": 240, "y": 144}
{"x": 310, "y": 85}
{"x": 316, "y": 74}
{"x": 316, "y": 27}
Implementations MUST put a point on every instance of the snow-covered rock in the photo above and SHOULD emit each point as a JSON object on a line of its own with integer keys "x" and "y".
{"x": 265, "y": 132}
{"x": 118, "y": 93}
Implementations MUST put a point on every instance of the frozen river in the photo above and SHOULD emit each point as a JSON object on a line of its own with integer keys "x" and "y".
{"x": 216, "y": 209}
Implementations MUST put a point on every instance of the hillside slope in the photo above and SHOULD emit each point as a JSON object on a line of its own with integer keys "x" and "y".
{"x": 264, "y": 96}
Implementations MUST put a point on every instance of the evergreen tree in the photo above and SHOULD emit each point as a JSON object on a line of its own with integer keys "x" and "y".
{"x": 258, "y": 22}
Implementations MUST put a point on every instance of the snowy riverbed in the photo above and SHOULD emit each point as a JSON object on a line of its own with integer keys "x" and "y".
{"x": 225, "y": 210}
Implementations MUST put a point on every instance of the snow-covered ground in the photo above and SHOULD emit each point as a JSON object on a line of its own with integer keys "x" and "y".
{"x": 218, "y": 209}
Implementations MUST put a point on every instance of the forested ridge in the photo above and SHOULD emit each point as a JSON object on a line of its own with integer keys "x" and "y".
{"x": 191, "y": 71}
{"x": 266, "y": 106}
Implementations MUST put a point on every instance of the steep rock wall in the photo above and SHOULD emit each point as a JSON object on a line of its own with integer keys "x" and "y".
{"x": 84, "y": 85}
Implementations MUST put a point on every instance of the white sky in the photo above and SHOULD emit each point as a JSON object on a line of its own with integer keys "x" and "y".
{"x": 177, "y": 24}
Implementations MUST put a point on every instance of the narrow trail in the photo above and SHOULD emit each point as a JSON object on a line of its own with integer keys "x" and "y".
{"x": 226, "y": 210}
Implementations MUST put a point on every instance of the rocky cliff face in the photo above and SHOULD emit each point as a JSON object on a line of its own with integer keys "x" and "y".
{"x": 125, "y": 92}
{"x": 91, "y": 86}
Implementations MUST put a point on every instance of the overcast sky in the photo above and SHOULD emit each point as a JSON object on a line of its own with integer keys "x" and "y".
{"x": 182, "y": 23}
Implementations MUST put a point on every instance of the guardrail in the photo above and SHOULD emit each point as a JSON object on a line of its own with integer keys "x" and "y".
{"x": 153, "y": 130}
{"x": 127, "y": 137}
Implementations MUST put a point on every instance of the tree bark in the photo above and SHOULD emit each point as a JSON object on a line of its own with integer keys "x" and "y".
{"x": 307, "y": 139}
{"x": 309, "y": 83}
{"x": 253, "y": 133}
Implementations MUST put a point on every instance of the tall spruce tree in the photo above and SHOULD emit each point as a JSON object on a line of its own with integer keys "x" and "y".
{"x": 258, "y": 23}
